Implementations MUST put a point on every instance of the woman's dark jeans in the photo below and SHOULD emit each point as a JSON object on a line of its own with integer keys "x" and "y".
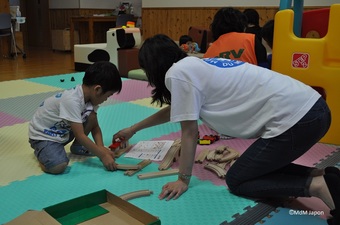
{"x": 265, "y": 169}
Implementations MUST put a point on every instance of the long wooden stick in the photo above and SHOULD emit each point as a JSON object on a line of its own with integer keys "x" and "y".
{"x": 141, "y": 165}
{"x": 202, "y": 156}
{"x": 121, "y": 151}
{"x": 228, "y": 157}
{"x": 127, "y": 167}
{"x": 158, "y": 174}
{"x": 211, "y": 155}
{"x": 171, "y": 155}
{"x": 135, "y": 194}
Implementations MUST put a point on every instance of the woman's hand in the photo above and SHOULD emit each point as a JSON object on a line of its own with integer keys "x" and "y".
{"x": 124, "y": 134}
{"x": 160, "y": 117}
{"x": 173, "y": 190}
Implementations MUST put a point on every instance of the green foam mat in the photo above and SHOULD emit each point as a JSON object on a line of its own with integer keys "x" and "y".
{"x": 204, "y": 204}
{"x": 111, "y": 120}
{"x": 24, "y": 186}
{"x": 63, "y": 81}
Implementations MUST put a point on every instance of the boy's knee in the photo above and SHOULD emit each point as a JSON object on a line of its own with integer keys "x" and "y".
{"x": 58, "y": 169}
{"x": 90, "y": 123}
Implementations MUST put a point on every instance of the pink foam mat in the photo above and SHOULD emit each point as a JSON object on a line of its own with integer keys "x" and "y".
{"x": 133, "y": 90}
{"x": 312, "y": 157}
{"x": 9, "y": 120}
{"x": 318, "y": 152}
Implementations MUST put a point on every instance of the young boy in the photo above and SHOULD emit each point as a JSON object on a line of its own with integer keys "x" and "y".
{"x": 72, "y": 114}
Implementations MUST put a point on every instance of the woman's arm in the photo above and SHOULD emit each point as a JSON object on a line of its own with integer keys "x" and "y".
{"x": 188, "y": 148}
{"x": 160, "y": 117}
{"x": 174, "y": 190}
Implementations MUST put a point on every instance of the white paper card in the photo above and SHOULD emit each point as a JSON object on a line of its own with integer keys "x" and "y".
{"x": 153, "y": 150}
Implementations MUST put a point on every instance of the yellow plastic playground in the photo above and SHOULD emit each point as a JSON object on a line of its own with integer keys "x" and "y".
{"x": 314, "y": 61}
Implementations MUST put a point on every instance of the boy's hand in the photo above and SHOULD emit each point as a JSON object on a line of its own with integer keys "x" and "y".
{"x": 108, "y": 160}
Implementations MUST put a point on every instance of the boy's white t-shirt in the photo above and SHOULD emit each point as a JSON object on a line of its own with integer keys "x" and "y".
{"x": 52, "y": 119}
{"x": 236, "y": 98}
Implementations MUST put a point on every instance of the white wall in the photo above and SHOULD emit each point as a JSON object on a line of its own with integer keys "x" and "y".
{"x": 94, "y": 4}
{"x": 64, "y": 4}
{"x": 14, "y": 2}
{"x": 224, "y": 3}
{"x": 97, "y": 4}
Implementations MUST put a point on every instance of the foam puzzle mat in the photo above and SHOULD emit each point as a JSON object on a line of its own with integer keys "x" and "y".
{"x": 23, "y": 186}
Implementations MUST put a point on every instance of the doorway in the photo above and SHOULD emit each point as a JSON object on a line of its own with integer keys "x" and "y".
{"x": 36, "y": 30}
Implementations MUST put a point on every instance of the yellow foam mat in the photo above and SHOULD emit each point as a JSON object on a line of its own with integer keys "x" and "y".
{"x": 16, "y": 88}
{"x": 17, "y": 161}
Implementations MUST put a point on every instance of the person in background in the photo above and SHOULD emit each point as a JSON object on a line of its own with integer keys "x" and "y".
{"x": 230, "y": 40}
{"x": 70, "y": 116}
{"x": 268, "y": 36}
{"x": 285, "y": 116}
{"x": 184, "y": 39}
{"x": 253, "y": 23}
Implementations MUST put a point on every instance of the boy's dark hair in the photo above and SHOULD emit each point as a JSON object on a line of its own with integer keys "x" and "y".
{"x": 184, "y": 39}
{"x": 268, "y": 32}
{"x": 252, "y": 16}
{"x": 227, "y": 20}
{"x": 156, "y": 56}
{"x": 105, "y": 74}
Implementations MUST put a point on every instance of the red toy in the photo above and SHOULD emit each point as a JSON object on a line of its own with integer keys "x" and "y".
{"x": 208, "y": 139}
{"x": 116, "y": 143}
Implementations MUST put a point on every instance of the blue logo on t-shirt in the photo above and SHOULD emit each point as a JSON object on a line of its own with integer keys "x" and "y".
{"x": 223, "y": 63}
{"x": 58, "y": 95}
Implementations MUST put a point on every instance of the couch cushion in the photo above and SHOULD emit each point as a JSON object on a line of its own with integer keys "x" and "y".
{"x": 137, "y": 74}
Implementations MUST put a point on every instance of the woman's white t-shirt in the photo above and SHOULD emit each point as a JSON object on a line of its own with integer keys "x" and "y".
{"x": 236, "y": 98}
{"x": 52, "y": 119}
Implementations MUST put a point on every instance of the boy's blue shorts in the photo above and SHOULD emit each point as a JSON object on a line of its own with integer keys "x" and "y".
{"x": 50, "y": 153}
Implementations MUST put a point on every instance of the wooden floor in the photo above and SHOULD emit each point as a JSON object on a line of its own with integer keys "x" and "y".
{"x": 38, "y": 62}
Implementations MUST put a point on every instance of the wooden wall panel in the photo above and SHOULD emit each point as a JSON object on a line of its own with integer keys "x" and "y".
{"x": 4, "y": 6}
{"x": 61, "y": 18}
{"x": 175, "y": 22}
